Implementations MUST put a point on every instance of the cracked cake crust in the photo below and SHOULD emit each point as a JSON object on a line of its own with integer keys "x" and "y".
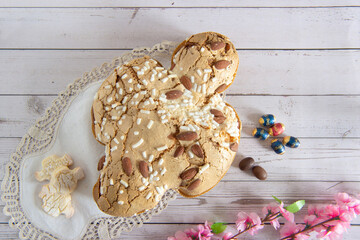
{"x": 144, "y": 113}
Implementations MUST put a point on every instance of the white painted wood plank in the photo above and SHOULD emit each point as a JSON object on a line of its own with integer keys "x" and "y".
{"x": 48, "y": 72}
{"x": 298, "y": 73}
{"x": 15, "y": 120}
{"x": 269, "y": 72}
{"x": 162, "y": 231}
{"x": 313, "y": 171}
{"x": 179, "y": 3}
{"x": 7, "y": 147}
{"x": 263, "y": 28}
{"x": 303, "y": 116}
{"x": 315, "y": 160}
{"x": 225, "y": 200}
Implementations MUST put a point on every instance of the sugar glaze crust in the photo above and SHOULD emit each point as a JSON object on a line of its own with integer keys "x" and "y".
{"x": 144, "y": 113}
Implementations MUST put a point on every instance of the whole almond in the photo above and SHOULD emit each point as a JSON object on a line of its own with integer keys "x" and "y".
{"x": 186, "y": 82}
{"x": 227, "y": 47}
{"x": 221, "y": 88}
{"x": 234, "y": 146}
{"x": 173, "y": 94}
{"x": 144, "y": 170}
{"x": 194, "y": 184}
{"x": 216, "y": 113}
{"x": 219, "y": 119}
{"x": 126, "y": 164}
{"x": 187, "y": 136}
{"x": 172, "y": 66}
{"x": 179, "y": 151}
{"x": 197, "y": 150}
{"x": 217, "y": 45}
{"x": 172, "y": 136}
{"x": 188, "y": 174}
{"x": 221, "y": 64}
{"x": 101, "y": 163}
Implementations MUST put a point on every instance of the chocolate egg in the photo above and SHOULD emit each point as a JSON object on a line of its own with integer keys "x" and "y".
{"x": 267, "y": 120}
{"x": 277, "y": 129}
{"x": 260, "y": 133}
{"x": 277, "y": 146}
{"x": 259, "y": 173}
{"x": 246, "y": 163}
{"x": 290, "y": 141}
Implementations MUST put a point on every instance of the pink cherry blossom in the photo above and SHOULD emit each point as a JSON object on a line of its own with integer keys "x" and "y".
{"x": 285, "y": 213}
{"x": 340, "y": 216}
{"x": 331, "y": 211}
{"x": 346, "y": 214}
{"x": 329, "y": 234}
{"x": 272, "y": 209}
{"x": 179, "y": 236}
{"x": 291, "y": 228}
{"x": 344, "y": 200}
{"x": 250, "y": 221}
{"x": 335, "y": 220}
{"x": 329, "y": 221}
{"x": 227, "y": 236}
{"x": 275, "y": 223}
{"x": 312, "y": 220}
{"x": 315, "y": 210}
{"x": 203, "y": 232}
{"x": 315, "y": 215}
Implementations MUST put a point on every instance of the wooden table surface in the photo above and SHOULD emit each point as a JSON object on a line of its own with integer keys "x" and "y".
{"x": 298, "y": 60}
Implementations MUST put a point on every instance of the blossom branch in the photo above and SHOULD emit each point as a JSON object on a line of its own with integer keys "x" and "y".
{"x": 268, "y": 218}
{"x": 307, "y": 229}
{"x": 329, "y": 221}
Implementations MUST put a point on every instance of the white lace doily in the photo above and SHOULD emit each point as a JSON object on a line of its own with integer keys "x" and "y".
{"x": 41, "y": 137}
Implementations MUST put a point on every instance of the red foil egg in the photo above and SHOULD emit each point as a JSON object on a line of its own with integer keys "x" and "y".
{"x": 277, "y": 129}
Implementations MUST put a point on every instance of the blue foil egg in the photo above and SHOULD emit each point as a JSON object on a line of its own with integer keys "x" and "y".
{"x": 277, "y": 146}
{"x": 267, "y": 120}
{"x": 290, "y": 141}
{"x": 260, "y": 133}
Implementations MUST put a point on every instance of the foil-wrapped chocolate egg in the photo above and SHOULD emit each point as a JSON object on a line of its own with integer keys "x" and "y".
{"x": 290, "y": 141}
{"x": 267, "y": 120}
{"x": 260, "y": 133}
{"x": 277, "y": 146}
{"x": 277, "y": 129}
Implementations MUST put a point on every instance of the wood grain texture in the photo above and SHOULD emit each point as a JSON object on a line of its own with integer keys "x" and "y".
{"x": 298, "y": 60}
{"x": 226, "y": 199}
{"x": 114, "y": 28}
{"x": 267, "y": 72}
{"x": 315, "y": 160}
{"x": 303, "y": 116}
{"x": 161, "y": 231}
{"x": 180, "y": 3}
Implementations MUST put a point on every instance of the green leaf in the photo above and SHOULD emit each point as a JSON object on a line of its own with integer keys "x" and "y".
{"x": 296, "y": 206}
{"x": 218, "y": 227}
{"x": 276, "y": 199}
